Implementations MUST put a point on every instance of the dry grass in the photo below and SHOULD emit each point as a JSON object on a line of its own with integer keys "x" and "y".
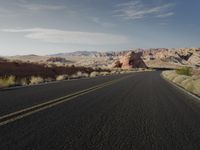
{"x": 82, "y": 74}
{"x": 21, "y": 73}
{"x": 79, "y": 74}
{"x": 61, "y": 77}
{"x": 180, "y": 79}
{"x": 104, "y": 73}
{"x": 197, "y": 86}
{"x": 26, "y": 70}
{"x": 7, "y": 81}
{"x": 94, "y": 74}
{"x": 36, "y": 80}
{"x": 170, "y": 75}
{"x": 184, "y": 71}
{"x": 23, "y": 82}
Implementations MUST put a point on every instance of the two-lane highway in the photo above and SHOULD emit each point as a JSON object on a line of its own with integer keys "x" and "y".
{"x": 134, "y": 111}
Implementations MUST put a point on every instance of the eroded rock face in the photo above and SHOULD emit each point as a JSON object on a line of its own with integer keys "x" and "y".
{"x": 131, "y": 60}
{"x": 57, "y": 59}
{"x": 195, "y": 59}
{"x": 117, "y": 64}
{"x": 172, "y": 57}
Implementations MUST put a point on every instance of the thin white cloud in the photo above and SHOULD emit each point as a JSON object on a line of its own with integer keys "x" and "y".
{"x": 21, "y": 7}
{"x": 165, "y": 15}
{"x": 96, "y": 20}
{"x": 137, "y": 10}
{"x": 70, "y": 37}
{"x": 40, "y": 7}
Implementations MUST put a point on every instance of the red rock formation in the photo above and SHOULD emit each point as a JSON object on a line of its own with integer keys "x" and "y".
{"x": 131, "y": 60}
{"x": 117, "y": 64}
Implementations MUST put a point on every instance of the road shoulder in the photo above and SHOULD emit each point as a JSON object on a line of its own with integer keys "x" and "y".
{"x": 180, "y": 88}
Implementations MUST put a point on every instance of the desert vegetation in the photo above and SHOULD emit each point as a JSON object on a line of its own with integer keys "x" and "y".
{"x": 17, "y": 73}
{"x": 186, "y": 78}
{"x": 21, "y": 73}
{"x": 184, "y": 71}
{"x": 7, "y": 81}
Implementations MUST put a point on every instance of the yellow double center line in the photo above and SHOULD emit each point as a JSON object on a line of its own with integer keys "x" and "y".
{"x": 36, "y": 108}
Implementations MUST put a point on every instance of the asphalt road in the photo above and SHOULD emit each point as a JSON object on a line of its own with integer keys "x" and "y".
{"x": 136, "y": 111}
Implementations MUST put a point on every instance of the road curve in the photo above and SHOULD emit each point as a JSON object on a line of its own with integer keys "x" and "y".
{"x": 141, "y": 111}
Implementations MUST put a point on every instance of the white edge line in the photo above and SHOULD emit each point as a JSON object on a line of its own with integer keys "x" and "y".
{"x": 181, "y": 88}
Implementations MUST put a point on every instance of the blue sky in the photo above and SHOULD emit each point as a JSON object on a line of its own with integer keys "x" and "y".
{"x": 54, "y": 26}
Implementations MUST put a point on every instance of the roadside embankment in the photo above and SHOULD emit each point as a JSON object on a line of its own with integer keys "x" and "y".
{"x": 189, "y": 82}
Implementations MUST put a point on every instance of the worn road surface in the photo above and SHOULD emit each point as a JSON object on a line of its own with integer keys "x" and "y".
{"x": 138, "y": 111}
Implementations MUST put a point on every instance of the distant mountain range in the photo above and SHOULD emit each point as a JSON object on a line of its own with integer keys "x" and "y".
{"x": 77, "y": 53}
{"x": 161, "y": 57}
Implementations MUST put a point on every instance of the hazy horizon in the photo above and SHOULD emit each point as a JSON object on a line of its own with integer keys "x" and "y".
{"x": 40, "y": 27}
{"x": 100, "y": 51}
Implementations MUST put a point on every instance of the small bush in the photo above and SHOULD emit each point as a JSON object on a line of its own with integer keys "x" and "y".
{"x": 85, "y": 75}
{"x": 7, "y": 81}
{"x": 104, "y": 73}
{"x": 61, "y": 77}
{"x": 184, "y": 71}
{"x": 94, "y": 74}
{"x": 23, "y": 82}
{"x": 36, "y": 80}
{"x": 79, "y": 74}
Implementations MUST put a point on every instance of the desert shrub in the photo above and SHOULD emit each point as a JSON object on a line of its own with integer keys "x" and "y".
{"x": 23, "y": 82}
{"x": 7, "y": 81}
{"x": 85, "y": 75}
{"x": 94, "y": 74}
{"x": 26, "y": 70}
{"x": 104, "y": 73}
{"x": 184, "y": 71}
{"x": 61, "y": 77}
{"x": 82, "y": 74}
{"x": 115, "y": 72}
{"x": 79, "y": 74}
{"x": 36, "y": 80}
